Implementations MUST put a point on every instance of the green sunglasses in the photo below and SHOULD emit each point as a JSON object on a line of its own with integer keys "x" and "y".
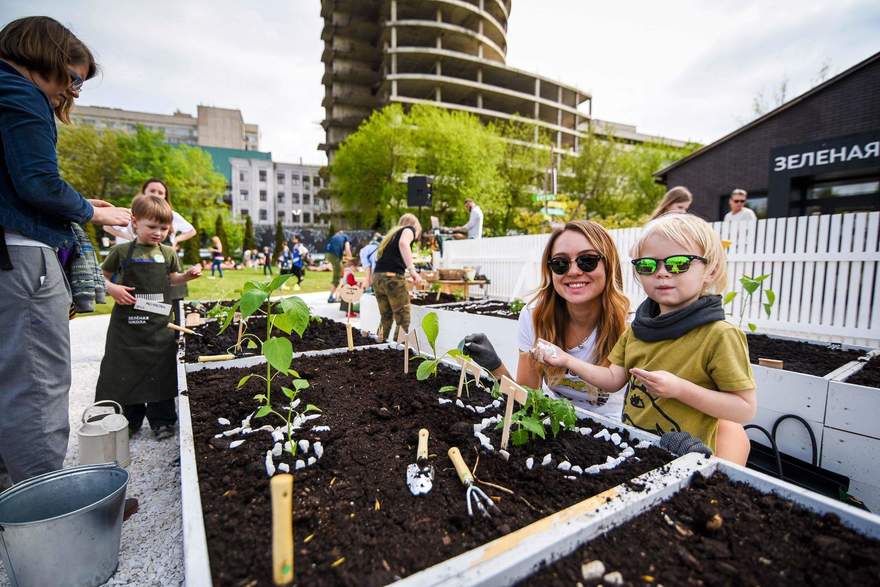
{"x": 673, "y": 264}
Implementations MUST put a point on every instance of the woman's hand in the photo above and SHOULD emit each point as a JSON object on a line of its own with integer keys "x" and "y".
{"x": 194, "y": 272}
{"x": 120, "y": 294}
{"x": 548, "y": 353}
{"x": 108, "y": 215}
{"x": 660, "y": 383}
{"x": 478, "y": 347}
{"x": 100, "y": 204}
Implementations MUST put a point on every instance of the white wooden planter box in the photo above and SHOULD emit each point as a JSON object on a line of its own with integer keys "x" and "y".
{"x": 518, "y": 555}
{"x": 195, "y": 547}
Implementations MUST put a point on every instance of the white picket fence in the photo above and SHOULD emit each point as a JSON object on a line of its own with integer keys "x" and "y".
{"x": 823, "y": 269}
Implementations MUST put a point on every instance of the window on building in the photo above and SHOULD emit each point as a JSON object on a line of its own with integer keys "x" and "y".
{"x": 280, "y": 178}
{"x": 244, "y": 212}
{"x": 306, "y": 185}
{"x": 281, "y": 215}
{"x": 242, "y": 176}
{"x": 264, "y": 215}
{"x": 294, "y": 198}
{"x": 307, "y": 199}
{"x": 307, "y": 218}
{"x": 317, "y": 181}
{"x": 280, "y": 197}
{"x": 262, "y": 175}
{"x": 243, "y": 197}
{"x": 838, "y": 196}
{"x": 294, "y": 178}
{"x": 262, "y": 195}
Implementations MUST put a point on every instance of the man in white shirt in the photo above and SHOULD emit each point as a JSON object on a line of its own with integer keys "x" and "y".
{"x": 738, "y": 211}
{"x": 474, "y": 226}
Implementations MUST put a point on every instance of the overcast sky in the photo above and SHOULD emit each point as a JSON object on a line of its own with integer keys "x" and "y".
{"x": 683, "y": 69}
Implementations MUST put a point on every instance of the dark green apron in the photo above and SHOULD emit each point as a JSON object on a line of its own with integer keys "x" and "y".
{"x": 139, "y": 364}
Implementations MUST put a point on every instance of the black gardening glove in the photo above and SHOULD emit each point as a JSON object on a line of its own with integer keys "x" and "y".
{"x": 681, "y": 443}
{"x": 478, "y": 347}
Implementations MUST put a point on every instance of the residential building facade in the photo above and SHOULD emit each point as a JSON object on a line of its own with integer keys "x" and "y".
{"x": 270, "y": 191}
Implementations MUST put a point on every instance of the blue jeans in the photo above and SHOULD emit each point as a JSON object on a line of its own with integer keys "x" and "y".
{"x": 216, "y": 263}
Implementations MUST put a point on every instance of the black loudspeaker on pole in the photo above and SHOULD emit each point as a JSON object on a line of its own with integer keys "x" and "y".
{"x": 418, "y": 191}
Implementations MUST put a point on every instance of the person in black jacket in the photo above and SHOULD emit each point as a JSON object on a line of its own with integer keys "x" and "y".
{"x": 42, "y": 70}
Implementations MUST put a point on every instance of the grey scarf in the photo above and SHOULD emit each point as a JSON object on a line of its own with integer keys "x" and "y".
{"x": 650, "y": 326}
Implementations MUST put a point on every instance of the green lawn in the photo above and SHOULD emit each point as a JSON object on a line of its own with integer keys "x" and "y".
{"x": 206, "y": 288}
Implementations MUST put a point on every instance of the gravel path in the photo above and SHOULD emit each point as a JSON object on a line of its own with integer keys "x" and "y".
{"x": 151, "y": 552}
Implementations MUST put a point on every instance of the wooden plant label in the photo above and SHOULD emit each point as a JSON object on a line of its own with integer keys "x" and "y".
{"x": 771, "y": 363}
{"x": 349, "y": 334}
{"x": 351, "y": 294}
{"x": 193, "y": 319}
{"x": 240, "y": 332}
{"x": 281, "y": 489}
{"x": 408, "y": 340}
{"x": 468, "y": 367}
{"x": 514, "y": 393}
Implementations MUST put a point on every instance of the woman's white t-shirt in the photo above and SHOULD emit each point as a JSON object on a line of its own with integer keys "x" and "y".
{"x": 582, "y": 394}
{"x": 178, "y": 223}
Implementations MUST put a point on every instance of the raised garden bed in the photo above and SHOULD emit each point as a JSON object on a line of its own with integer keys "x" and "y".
{"x": 720, "y": 532}
{"x": 321, "y": 334}
{"x": 434, "y": 299}
{"x": 868, "y": 375}
{"x": 494, "y": 308}
{"x": 811, "y": 358}
{"x": 355, "y": 521}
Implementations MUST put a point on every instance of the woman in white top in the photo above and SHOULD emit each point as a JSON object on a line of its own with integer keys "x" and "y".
{"x": 181, "y": 229}
{"x": 580, "y": 307}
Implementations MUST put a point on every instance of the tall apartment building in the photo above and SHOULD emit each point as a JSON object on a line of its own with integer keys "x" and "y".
{"x": 269, "y": 191}
{"x": 211, "y": 127}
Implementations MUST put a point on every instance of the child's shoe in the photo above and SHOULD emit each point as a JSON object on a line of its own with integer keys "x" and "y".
{"x": 296, "y": 287}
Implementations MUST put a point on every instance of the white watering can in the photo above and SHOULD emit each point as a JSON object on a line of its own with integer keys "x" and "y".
{"x": 104, "y": 438}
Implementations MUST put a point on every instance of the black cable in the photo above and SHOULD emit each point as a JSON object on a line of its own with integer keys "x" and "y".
{"x": 815, "y": 456}
{"x": 772, "y": 445}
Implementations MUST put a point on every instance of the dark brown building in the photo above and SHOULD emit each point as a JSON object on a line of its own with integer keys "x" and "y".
{"x": 819, "y": 153}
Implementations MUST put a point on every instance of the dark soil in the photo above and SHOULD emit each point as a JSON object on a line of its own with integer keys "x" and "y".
{"x": 354, "y": 503}
{"x": 325, "y": 334}
{"x": 802, "y": 357}
{"x": 763, "y": 540}
{"x": 868, "y": 375}
{"x": 432, "y": 299}
{"x": 496, "y": 308}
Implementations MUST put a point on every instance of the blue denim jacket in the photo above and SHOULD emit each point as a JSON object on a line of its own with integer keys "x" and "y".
{"x": 34, "y": 200}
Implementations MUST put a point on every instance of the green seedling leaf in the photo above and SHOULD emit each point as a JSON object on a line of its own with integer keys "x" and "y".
{"x": 253, "y": 285}
{"x": 533, "y": 425}
{"x": 771, "y": 296}
{"x": 426, "y": 369}
{"x": 260, "y": 397}
{"x": 311, "y": 408}
{"x": 519, "y": 437}
{"x": 431, "y": 326}
{"x": 753, "y": 327}
{"x": 251, "y": 301}
{"x": 300, "y": 384}
{"x": 263, "y": 411}
{"x": 455, "y": 353}
{"x": 282, "y": 322}
{"x": 288, "y": 392}
{"x": 251, "y": 344}
{"x": 749, "y": 285}
{"x": 243, "y": 380}
{"x": 293, "y": 373}
{"x": 448, "y": 389}
{"x": 297, "y": 312}
{"x": 728, "y": 297}
{"x": 768, "y": 308}
{"x": 277, "y": 282}
{"x": 279, "y": 353}
{"x": 228, "y": 316}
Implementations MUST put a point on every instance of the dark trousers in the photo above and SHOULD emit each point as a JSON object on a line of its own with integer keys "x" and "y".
{"x": 267, "y": 269}
{"x": 298, "y": 271}
{"x": 159, "y": 413}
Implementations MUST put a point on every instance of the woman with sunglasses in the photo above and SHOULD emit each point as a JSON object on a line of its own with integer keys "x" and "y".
{"x": 580, "y": 307}
{"x": 686, "y": 367}
{"x": 42, "y": 68}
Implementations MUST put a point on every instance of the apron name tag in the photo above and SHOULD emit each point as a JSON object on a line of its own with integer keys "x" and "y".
{"x": 152, "y": 307}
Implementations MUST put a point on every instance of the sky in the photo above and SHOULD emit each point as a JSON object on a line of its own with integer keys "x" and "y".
{"x": 684, "y": 69}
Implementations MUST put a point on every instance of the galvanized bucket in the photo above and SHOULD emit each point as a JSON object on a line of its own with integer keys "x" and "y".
{"x": 63, "y": 527}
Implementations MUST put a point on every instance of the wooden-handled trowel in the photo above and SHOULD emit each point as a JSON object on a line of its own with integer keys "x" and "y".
{"x": 420, "y": 475}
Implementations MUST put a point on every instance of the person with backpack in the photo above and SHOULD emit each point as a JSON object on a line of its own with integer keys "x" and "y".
{"x": 369, "y": 255}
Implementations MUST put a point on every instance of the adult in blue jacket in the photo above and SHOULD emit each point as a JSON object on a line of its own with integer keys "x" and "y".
{"x": 42, "y": 69}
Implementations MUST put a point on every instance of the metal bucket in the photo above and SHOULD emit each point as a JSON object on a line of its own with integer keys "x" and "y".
{"x": 63, "y": 527}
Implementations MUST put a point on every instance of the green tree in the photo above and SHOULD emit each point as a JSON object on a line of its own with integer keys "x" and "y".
{"x": 90, "y": 161}
{"x": 279, "y": 241}
{"x": 592, "y": 178}
{"x": 523, "y": 172}
{"x": 248, "y": 240}
{"x": 191, "y": 247}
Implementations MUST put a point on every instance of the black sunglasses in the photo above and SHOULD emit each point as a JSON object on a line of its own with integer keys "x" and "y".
{"x": 673, "y": 264}
{"x": 76, "y": 82}
{"x": 586, "y": 263}
{"x": 739, "y": 201}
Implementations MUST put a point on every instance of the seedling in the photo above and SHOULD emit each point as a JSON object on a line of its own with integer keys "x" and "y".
{"x": 428, "y": 367}
{"x": 437, "y": 290}
{"x": 516, "y": 305}
{"x": 749, "y": 286}
{"x": 530, "y": 419}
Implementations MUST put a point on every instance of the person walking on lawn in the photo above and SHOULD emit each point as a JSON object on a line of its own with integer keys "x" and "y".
{"x": 338, "y": 247}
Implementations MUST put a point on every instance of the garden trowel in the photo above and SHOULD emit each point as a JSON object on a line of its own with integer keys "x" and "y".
{"x": 420, "y": 475}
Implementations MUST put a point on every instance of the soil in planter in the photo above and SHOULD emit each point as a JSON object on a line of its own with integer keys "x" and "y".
{"x": 326, "y": 334}
{"x": 802, "y": 357}
{"x": 868, "y": 375}
{"x": 352, "y": 508}
{"x": 496, "y": 308}
{"x": 432, "y": 299}
{"x": 763, "y": 539}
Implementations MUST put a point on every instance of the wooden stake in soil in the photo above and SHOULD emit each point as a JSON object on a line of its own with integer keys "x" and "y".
{"x": 281, "y": 487}
{"x": 240, "y": 332}
{"x": 214, "y": 358}
{"x": 467, "y": 367}
{"x": 407, "y": 339}
{"x": 514, "y": 393}
{"x": 771, "y": 363}
{"x": 351, "y": 294}
{"x": 193, "y": 319}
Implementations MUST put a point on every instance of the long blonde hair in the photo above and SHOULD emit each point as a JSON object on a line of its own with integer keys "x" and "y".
{"x": 405, "y": 220}
{"x": 695, "y": 234}
{"x": 674, "y": 196}
{"x": 551, "y": 311}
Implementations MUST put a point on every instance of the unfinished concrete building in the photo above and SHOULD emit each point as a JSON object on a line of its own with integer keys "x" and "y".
{"x": 448, "y": 53}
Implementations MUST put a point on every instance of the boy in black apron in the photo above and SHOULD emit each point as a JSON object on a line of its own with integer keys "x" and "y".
{"x": 138, "y": 369}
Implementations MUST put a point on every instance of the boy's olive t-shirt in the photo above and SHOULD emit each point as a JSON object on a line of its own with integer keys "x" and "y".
{"x": 142, "y": 253}
{"x": 714, "y": 356}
